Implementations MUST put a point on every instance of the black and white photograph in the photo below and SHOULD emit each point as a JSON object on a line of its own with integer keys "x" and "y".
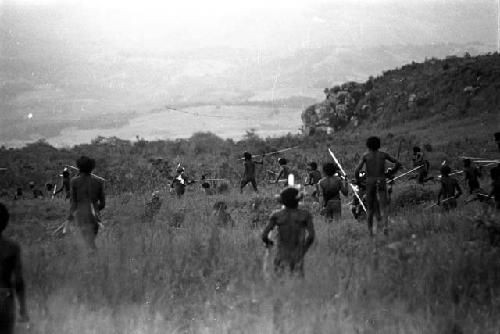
{"x": 249, "y": 166}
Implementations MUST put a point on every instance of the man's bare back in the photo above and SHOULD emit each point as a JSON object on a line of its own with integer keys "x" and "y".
{"x": 292, "y": 225}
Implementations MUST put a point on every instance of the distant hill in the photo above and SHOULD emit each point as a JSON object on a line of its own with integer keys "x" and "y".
{"x": 434, "y": 90}
{"x": 449, "y": 106}
{"x": 107, "y": 91}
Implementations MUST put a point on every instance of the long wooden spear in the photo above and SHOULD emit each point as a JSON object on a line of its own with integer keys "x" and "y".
{"x": 73, "y": 167}
{"x": 404, "y": 174}
{"x": 354, "y": 189}
{"x": 271, "y": 153}
{"x": 436, "y": 204}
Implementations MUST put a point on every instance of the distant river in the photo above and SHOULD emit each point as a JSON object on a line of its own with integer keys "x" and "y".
{"x": 224, "y": 121}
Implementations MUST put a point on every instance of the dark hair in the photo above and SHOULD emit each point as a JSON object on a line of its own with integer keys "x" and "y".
{"x": 247, "y": 156}
{"x": 313, "y": 165}
{"x": 290, "y": 198}
{"x": 85, "y": 164}
{"x": 467, "y": 162}
{"x": 445, "y": 170}
{"x": 373, "y": 143}
{"x": 4, "y": 217}
{"x": 282, "y": 161}
{"x": 416, "y": 149}
{"x": 330, "y": 169}
{"x": 65, "y": 173}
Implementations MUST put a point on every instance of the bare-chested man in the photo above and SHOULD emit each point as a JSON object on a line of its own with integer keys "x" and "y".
{"x": 11, "y": 279}
{"x": 450, "y": 189}
{"x": 330, "y": 188}
{"x": 292, "y": 224}
{"x": 313, "y": 177}
{"x": 284, "y": 171}
{"x": 376, "y": 186}
{"x": 65, "y": 184}
{"x": 471, "y": 175}
{"x": 180, "y": 182}
{"x": 249, "y": 173}
{"x": 87, "y": 200}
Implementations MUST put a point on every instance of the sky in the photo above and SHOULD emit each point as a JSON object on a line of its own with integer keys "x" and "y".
{"x": 167, "y": 26}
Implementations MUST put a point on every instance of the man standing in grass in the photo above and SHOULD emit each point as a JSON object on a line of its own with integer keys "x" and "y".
{"x": 376, "y": 184}
{"x": 313, "y": 178}
{"x": 249, "y": 173}
{"x": 65, "y": 184}
{"x": 330, "y": 188}
{"x": 87, "y": 200}
{"x": 471, "y": 175}
{"x": 292, "y": 224}
{"x": 450, "y": 189}
{"x": 284, "y": 171}
{"x": 11, "y": 279}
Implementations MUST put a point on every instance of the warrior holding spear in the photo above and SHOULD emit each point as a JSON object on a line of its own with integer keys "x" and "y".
{"x": 376, "y": 184}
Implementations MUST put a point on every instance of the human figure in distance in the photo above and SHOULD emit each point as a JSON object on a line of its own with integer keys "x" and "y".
{"x": 313, "y": 178}
{"x": 152, "y": 207}
{"x": 180, "y": 182}
{"x": 87, "y": 200}
{"x": 471, "y": 176}
{"x": 65, "y": 184}
{"x": 249, "y": 172}
{"x": 450, "y": 189}
{"x": 295, "y": 234}
{"x": 11, "y": 279}
{"x": 284, "y": 171}
{"x": 205, "y": 186}
{"x": 419, "y": 161}
{"x": 330, "y": 188}
{"x": 376, "y": 184}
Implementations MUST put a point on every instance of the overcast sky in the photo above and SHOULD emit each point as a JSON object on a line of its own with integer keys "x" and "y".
{"x": 159, "y": 26}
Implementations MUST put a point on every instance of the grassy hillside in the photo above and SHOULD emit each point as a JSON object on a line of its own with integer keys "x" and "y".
{"x": 183, "y": 273}
{"x": 433, "y": 91}
{"x": 435, "y": 273}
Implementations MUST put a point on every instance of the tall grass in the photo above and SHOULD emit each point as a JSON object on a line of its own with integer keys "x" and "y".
{"x": 433, "y": 274}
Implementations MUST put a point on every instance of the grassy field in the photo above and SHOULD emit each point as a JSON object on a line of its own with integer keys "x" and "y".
{"x": 435, "y": 273}
{"x": 225, "y": 121}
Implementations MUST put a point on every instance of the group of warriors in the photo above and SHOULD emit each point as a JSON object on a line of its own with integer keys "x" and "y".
{"x": 294, "y": 223}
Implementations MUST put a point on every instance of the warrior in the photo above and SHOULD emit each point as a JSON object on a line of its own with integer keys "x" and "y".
{"x": 295, "y": 234}
{"x": 87, "y": 200}
{"x": 11, "y": 279}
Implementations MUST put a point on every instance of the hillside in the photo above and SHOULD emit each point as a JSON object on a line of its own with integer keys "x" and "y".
{"x": 437, "y": 90}
{"x": 185, "y": 272}
{"x": 451, "y": 105}
{"x": 110, "y": 91}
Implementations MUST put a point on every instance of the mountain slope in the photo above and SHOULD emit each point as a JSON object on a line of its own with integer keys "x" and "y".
{"x": 444, "y": 89}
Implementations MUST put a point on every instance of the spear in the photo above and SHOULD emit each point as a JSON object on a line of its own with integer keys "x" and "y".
{"x": 470, "y": 158}
{"x": 436, "y": 204}
{"x": 345, "y": 176}
{"x": 487, "y": 161}
{"x": 274, "y": 152}
{"x": 73, "y": 167}
{"x": 400, "y": 176}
